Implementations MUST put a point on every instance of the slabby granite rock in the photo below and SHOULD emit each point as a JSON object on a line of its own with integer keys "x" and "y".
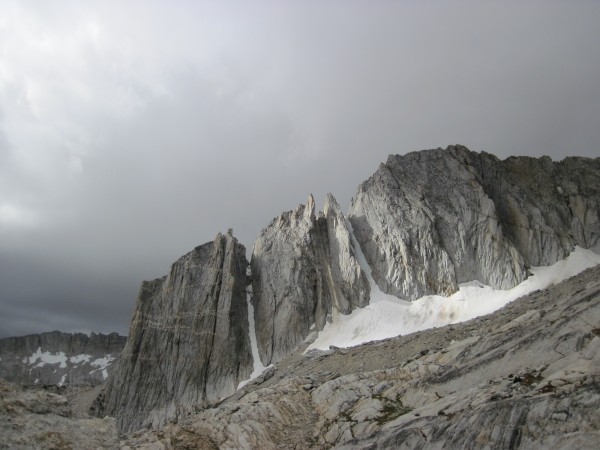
{"x": 188, "y": 344}
{"x": 429, "y": 220}
{"x": 526, "y": 376}
{"x": 59, "y": 358}
{"x": 426, "y": 222}
{"x": 303, "y": 270}
{"x": 350, "y": 284}
{"x": 35, "y": 418}
{"x": 545, "y": 207}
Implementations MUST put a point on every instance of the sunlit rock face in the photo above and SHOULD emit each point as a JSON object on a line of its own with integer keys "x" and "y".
{"x": 425, "y": 222}
{"x": 304, "y": 269}
{"x": 188, "y": 344}
{"x": 429, "y": 220}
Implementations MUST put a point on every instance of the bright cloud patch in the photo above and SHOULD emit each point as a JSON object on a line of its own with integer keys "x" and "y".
{"x": 14, "y": 215}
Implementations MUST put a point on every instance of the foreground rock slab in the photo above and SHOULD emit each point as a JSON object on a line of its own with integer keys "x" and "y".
{"x": 36, "y": 418}
{"x": 527, "y": 376}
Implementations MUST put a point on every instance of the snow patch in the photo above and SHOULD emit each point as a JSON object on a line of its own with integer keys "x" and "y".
{"x": 258, "y": 365}
{"x": 83, "y": 358}
{"x": 46, "y": 358}
{"x": 387, "y": 316}
{"x": 62, "y": 380}
{"x": 102, "y": 364}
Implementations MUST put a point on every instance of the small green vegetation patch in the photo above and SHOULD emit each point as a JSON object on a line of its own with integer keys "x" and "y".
{"x": 391, "y": 411}
{"x": 528, "y": 379}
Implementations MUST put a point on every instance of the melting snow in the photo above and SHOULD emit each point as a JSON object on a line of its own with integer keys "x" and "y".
{"x": 47, "y": 358}
{"x": 258, "y": 365}
{"x": 40, "y": 359}
{"x": 387, "y": 316}
{"x": 102, "y": 364}
{"x": 80, "y": 358}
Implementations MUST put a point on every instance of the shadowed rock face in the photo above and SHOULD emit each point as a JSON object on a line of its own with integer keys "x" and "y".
{"x": 188, "y": 343}
{"x": 545, "y": 207}
{"x": 429, "y": 220}
{"x": 59, "y": 358}
{"x": 303, "y": 270}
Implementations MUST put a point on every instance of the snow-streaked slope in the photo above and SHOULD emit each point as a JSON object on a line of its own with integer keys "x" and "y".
{"x": 386, "y": 316}
{"x": 40, "y": 359}
{"x": 258, "y": 365}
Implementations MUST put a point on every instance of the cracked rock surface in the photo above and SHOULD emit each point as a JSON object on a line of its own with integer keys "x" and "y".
{"x": 304, "y": 269}
{"x": 526, "y": 376}
{"x": 429, "y": 220}
{"x": 188, "y": 343}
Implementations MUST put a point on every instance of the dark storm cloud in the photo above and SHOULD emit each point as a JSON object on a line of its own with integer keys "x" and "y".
{"x": 132, "y": 132}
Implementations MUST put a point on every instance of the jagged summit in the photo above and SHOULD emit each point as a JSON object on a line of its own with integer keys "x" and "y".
{"x": 429, "y": 220}
{"x": 303, "y": 271}
{"x": 422, "y": 224}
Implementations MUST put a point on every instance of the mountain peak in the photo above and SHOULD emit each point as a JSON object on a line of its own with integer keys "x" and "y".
{"x": 424, "y": 223}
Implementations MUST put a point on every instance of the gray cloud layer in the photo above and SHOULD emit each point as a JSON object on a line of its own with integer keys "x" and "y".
{"x": 132, "y": 131}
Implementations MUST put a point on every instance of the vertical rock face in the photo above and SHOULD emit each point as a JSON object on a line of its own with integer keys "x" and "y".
{"x": 188, "y": 344}
{"x": 303, "y": 269}
{"x": 351, "y": 287}
{"x": 425, "y": 222}
{"x": 429, "y": 220}
{"x": 545, "y": 207}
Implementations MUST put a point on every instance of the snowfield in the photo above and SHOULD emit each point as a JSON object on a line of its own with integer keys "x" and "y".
{"x": 258, "y": 365}
{"x": 40, "y": 359}
{"x": 387, "y": 316}
{"x": 46, "y": 358}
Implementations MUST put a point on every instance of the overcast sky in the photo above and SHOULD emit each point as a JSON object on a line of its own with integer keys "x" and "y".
{"x": 133, "y": 131}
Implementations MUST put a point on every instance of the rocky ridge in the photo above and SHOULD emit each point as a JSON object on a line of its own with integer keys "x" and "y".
{"x": 429, "y": 220}
{"x": 304, "y": 269}
{"x": 526, "y": 376}
{"x": 425, "y": 222}
{"x": 188, "y": 344}
{"x": 59, "y": 358}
